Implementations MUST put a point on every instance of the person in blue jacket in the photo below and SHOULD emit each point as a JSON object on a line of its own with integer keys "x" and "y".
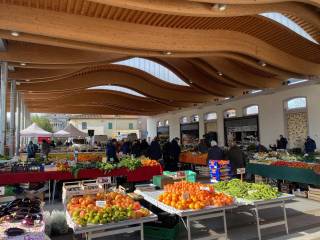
{"x": 310, "y": 145}
{"x": 111, "y": 151}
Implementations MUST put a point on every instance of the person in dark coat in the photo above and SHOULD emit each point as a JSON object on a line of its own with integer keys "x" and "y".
{"x": 166, "y": 148}
{"x": 175, "y": 151}
{"x": 111, "y": 151}
{"x": 202, "y": 146}
{"x": 144, "y": 147}
{"x": 236, "y": 158}
{"x": 126, "y": 147}
{"x": 31, "y": 151}
{"x": 45, "y": 149}
{"x": 155, "y": 150}
{"x": 282, "y": 143}
{"x": 136, "y": 148}
{"x": 214, "y": 152}
{"x": 310, "y": 145}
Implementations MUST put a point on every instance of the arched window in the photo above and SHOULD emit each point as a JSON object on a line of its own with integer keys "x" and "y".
{"x": 166, "y": 122}
{"x": 210, "y": 116}
{"x": 195, "y": 118}
{"x": 230, "y": 113}
{"x": 296, "y": 103}
{"x": 184, "y": 119}
{"x": 159, "y": 124}
{"x": 251, "y": 110}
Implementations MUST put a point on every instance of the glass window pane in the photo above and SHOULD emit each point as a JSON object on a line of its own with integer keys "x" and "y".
{"x": 84, "y": 125}
{"x": 183, "y": 120}
{"x": 110, "y": 125}
{"x": 130, "y": 125}
{"x": 297, "y": 103}
{"x": 230, "y": 113}
{"x": 211, "y": 116}
{"x": 252, "y": 110}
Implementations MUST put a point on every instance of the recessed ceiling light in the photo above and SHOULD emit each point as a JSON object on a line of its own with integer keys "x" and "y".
{"x": 27, "y": 80}
{"x": 23, "y": 64}
{"x": 18, "y": 83}
{"x": 219, "y": 6}
{"x": 29, "y": 91}
{"x": 167, "y": 53}
{"x": 220, "y": 73}
{"x": 15, "y": 34}
{"x": 262, "y": 63}
{"x": 191, "y": 82}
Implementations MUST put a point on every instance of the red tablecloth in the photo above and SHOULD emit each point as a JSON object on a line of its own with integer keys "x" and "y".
{"x": 138, "y": 175}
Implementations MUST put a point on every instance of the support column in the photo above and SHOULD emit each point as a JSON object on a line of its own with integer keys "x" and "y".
{"x": 18, "y": 124}
{"x": 3, "y": 117}
{"x": 12, "y": 118}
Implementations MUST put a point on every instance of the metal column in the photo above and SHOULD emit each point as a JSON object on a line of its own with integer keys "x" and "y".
{"x": 3, "y": 116}
{"x": 18, "y": 124}
{"x": 12, "y": 118}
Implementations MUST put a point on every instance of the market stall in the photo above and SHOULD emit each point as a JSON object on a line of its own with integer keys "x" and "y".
{"x": 194, "y": 158}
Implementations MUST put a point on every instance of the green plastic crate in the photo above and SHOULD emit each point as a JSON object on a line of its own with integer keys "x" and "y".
{"x": 190, "y": 175}
{"x": 161, "y": 233}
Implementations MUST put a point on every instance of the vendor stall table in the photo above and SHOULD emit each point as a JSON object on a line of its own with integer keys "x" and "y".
{"x": 189, "y": 215}
{"x": 298, "y": 175}
{"x": 194, "y": 158}
{"x": 103, "y": 230}
{"x": 30, "y": 232}
{"x": 138, "y": 175}
{"x": 255, "y": 206}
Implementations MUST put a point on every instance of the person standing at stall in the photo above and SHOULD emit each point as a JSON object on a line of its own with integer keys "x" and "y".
{"x": 282, "y": 143}
{"x": 236, "y": 158}
{"x": 155, "y": 149}
{"x": 310, "y": 145}
{"x": 45, "y": 149}
{"x": 175, "y": 151}
{"x": 31, "y": 150}
{"x": 214, "y": 152}
{"x": 111, "y": 151}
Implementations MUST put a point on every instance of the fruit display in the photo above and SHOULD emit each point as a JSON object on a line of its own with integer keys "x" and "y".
{"x": 149, "y": 163}
{"x": 194, "y": 158}
{"x": 63, "y": 167}
{"x": 26, "y": 211}
{"x": 88, "y": 157}
{"x": 185, "y": 195}
{"x": 248, "y": 191}
{"x": 292, "y": 164}
{"x": 130, "y": 163}
{"x": 116, "y": 207}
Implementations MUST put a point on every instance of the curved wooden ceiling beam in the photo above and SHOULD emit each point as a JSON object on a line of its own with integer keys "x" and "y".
{"x": 43, "y": 54}
{"x": 242, "y": 75}
{"x": 233, "y": 73}
{"x": 119, "y": 75}
{"x": 128, "y": 35}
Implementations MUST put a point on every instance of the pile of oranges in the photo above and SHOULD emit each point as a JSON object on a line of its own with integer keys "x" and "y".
{"x": 149, "y": 163}
{"x": 185, "y": 195}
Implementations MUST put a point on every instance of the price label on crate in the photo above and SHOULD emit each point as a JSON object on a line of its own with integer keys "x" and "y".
{"x": 100, "y": 203}
{"x": 241, "y": 170}
{"x": 104, "y": 180}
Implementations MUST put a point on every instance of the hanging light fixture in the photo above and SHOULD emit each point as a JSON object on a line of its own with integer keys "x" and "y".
{"x": 219, "y": 6}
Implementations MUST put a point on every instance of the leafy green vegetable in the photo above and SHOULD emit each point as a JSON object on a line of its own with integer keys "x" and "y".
{"x": 249, "y": 191}
{"x": 129, "y": 163}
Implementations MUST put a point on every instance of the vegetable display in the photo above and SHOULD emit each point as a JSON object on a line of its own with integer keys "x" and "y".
{"x": 129, "y": 163}
{"x": 292, "y": 164}
{"x": 248, "y": 191}
{"x": 114, "y": 207}
{"x": 107, "y": 167}
{"x": 186, "y": 195}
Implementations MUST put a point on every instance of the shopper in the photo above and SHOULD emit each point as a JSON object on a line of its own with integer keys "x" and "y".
{"x": 236, "y": 158}
{"x": 260, "y": 147}
{"x": 310, "y": 145}
{"x": 214, "y": 152}
{"x": 126, "y": 147}
{"x": 31, "y": 150}
{"x": 282, "y": 143}
{"x": 155, "y": 149}
{"x": 136, "y": 148}
{"x": 166, "y": 148}
{"x": 45, "y": 149}
{"x": 111, "y": 151}
{"x": 175, "y": 151}
{"x": 202, "y": 146}
{"x": 144, "y": 147}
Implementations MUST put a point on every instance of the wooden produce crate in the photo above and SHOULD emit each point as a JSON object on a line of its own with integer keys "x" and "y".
{"x": 314, "y": 194}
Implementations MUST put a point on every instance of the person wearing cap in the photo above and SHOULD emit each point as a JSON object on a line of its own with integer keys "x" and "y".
{"x": 214, "y": 152}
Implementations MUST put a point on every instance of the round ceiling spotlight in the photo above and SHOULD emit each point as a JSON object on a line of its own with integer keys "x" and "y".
{"x": 168, "y": 53}
{"x": 262, "y": 63}
{"x": 15, "y": 34}
{"x": 220, "y": 73}
{"x": 23, "y": 64}
{"x": 27, "y": 80}
{"x": 219, "y": 6}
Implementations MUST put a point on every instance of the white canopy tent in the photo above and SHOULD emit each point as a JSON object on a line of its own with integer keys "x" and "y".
{"x": 61, "y": 134}
{"x": 34, "y": 131}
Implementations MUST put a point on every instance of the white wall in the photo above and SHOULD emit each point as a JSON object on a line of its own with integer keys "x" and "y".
{"x": 271, "y": 113}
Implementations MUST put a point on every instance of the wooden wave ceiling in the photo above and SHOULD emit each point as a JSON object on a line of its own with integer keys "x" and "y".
{"x": 225, "y": 48}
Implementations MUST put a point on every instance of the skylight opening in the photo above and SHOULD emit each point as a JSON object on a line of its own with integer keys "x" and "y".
{"x": 287, "y": 22}
{"x": 117, "y": 89}
{"x": 293, "y": 81}
{"x": 153, "y": 68}
{"x": 256, "y": 91}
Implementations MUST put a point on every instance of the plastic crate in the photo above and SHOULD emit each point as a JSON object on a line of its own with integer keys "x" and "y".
{"x": 190, "y": 176}
{"x": 161, "y": 233}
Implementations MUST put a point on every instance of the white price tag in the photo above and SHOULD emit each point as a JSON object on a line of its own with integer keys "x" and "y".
{"x": 100, "y": 203}
{"x": 104, "y": 180}
{"x": 241, "y": 170}
{"x": 2, "y": 191}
